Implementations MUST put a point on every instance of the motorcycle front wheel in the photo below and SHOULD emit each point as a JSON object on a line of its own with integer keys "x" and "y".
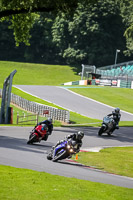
{"x": 101, "y": 130}
{"x": 59, "y": 157}
{"x": 32, "y": 139}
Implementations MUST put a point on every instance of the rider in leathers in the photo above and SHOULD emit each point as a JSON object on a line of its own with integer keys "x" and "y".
{"x": 49, "y": 124}
{"x": 77, "y": 137}
{"x": 116, "y": 116}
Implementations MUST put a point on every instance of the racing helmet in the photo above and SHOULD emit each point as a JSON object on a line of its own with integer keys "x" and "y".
{"x": 44, "y": 127}
{"x": 117, "y": 110}
{"x": 50, "y": 120}
{"x": 80, "y": 135}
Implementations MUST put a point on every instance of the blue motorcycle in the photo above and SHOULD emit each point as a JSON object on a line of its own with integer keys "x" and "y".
{"x": 62, "y": 151}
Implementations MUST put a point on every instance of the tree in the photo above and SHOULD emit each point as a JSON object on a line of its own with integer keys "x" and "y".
{"x": 84, "y": 31}
{"x": 21, "y": 14}
{"x": 127, "y": 15}
{"x": 92, "y": 35}
{"x": 42, "y": 48}
{"x": 13, "y": 7}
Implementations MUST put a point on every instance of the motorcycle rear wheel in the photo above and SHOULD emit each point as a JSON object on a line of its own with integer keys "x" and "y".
{"x": 110, "y": 133}
{"x": 49, "y": 157}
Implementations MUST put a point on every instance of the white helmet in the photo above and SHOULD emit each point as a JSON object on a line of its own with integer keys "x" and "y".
{"x": 50, "y": 120}
{"x": 80, "y": 135}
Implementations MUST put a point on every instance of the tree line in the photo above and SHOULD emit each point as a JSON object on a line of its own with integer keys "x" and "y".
{"x": 66, "y": 32}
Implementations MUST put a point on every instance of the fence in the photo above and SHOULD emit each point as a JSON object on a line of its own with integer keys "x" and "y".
{"x": 86, "y": 70}
{"x": 121, "y": 71}
{"x": 27, "y": 118}
{"x": 125, "y": 84}
{"x": 54, "y": 113}
{"x": 109, "y": 67}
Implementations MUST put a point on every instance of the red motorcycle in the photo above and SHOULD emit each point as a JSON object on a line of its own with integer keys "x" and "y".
{"x": 39, "y": 133}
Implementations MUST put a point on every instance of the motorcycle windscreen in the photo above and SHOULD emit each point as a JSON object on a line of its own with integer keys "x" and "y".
{"x": 60, "y": 147}
{"x": 106, "y": 120}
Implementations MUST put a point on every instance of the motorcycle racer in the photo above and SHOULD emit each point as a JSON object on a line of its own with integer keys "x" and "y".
{"x": 38, "y": 133}
{"x": 49, "y": 124}
{"x": 116, "y": 116}
{"x": 77, "y": 137}
{"x": 74, "y": 139}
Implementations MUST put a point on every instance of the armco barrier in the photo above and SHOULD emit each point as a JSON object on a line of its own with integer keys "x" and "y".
{"x": 132, "y": 85}
{"x": 80, "y": 82}
{"x": 54, "y": 113}
{"x": 125, "y": 84}
{"x": 93, "y": 82}
{"x": 75, "y": 83}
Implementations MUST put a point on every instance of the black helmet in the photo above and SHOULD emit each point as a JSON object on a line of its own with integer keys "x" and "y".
{"x": 50, "y": 120}
{"x": 117, "y": 110}
{"x": 80, "y": 135}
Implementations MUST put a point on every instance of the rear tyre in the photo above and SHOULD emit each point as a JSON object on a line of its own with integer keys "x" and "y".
{"x": 49, "y": 157}
{"x": 110, "y": 133}
{"x": 45, "y": 137}
{"x": 32, "y": 139}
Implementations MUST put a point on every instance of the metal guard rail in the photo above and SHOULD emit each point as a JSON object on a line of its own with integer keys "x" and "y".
{"x": 54, "y": 113}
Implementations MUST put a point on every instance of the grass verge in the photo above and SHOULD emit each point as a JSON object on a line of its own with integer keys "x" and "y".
{"x": 75, "y": 118}
{"x": 31, "y": 185}
{"x": 118, "y": 160}
{"x": 115, "y": 97}
{"x": 40, "y": 74}
{"x": 37, "y": 74}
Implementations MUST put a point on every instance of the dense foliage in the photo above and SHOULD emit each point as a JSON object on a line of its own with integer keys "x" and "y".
{"x": 126, "y": 7}
{"x": 66, "y": 32}
{"x": 91, "y": 35}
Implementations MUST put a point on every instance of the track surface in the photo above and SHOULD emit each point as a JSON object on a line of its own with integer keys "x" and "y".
{"x": 15, "y": 152}
{"x": 73, "y": 101}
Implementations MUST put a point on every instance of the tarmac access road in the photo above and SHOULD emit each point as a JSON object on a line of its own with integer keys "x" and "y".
{"x": 72, "y": 101}
{"x": 15, "y": 152}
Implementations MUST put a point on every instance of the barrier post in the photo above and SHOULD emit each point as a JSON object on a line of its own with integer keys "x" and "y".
{"x": 11, "y": 120}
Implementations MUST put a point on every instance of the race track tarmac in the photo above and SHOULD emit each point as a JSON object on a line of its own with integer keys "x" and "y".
{"x": 72, "y": 101}
{"x": 15, "y": 152}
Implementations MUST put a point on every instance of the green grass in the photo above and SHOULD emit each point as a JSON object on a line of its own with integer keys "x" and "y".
{"x": 22, "y": 112}
{"x": 32, "y": 98}
{"x": 74, "y": 117}
{"x": 25, "y": 184}
{"x": 22, "y": 184}
{"x": 126, "y": 123}
{"x": 37, "y": 74}
{"x": 118, "y": 160}
{"x": 40, "y": 74}
{"x": 77, "y": 119}
{"x": 116, "y": 97}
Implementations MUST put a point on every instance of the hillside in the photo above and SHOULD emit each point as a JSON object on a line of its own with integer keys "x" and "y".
{"x": 37, "y": 74}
